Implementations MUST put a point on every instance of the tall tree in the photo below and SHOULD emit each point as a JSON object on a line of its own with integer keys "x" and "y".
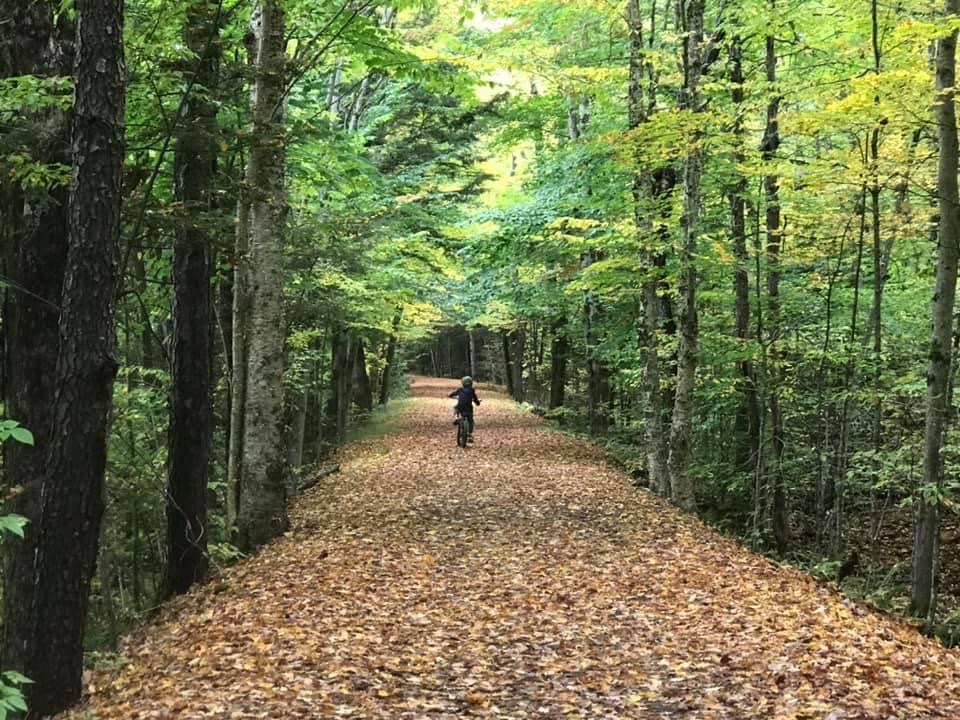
{"x": 771, "y": 186}
{"x": 748, "y": 414}
{"x": 34, "y": 40}
{"x": 240, "y": 324}
{"x": 939, "y": 358}
{"x": 389, "y": 360}
{"x": 681, "y": 431}
{"x": 264, "y": 471}
{"x": 188, "y": 458}
{"x": 657, "y": 434}
{"x": 73, "y": 493}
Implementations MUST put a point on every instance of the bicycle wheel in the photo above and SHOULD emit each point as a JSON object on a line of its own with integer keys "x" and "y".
{"x": 462, "y": 432}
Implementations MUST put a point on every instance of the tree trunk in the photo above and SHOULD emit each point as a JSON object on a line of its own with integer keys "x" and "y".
{"x": 363, "y": 391}
{"x": 659, "y": 320}
{"x": 333, "y": 413}
{"x": 507, "y": 363}
{"x": 938, "y": 368}
{"x": 263, "y": 485}
{"x": 345, "y": 389}
{"x": 298, "y": 426}
{"x": 681, "y": 431}
{"x": 33, "y": 234}
{"x": 472, "y": 354}
{"x": 558, "y": 363}
{"x": 748, "y": 414}
{"x": 518, "y": 342}
{"x": 240, "y": 347}
{"x": 72, "y": 501}
{"x": 391, "y": 358}
{"x": 656, "y": 430}
{"x": 188, "y": 458}
{"x": 597, "y": 380}
{"x": 771, "y": 184}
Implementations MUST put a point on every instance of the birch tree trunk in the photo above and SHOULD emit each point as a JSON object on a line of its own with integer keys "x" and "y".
{"x": 681, "y": 431}
{"x": 72, "y": 501}
{"x": 241, "y": 328}
{"x": 939, "y": 359}
{"x": 263, "y": 493}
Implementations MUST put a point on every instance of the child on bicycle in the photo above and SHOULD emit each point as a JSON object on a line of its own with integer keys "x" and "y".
{"x": 466, "y": 398}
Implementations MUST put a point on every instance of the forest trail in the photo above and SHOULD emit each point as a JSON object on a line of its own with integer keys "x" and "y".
{"x": 521, "y": 578}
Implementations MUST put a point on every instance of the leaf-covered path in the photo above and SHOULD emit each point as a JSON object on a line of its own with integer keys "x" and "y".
{"x": 522, "y": 578}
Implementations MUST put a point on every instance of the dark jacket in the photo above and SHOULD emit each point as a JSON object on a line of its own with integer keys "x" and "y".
{"x": 465, "y": 396}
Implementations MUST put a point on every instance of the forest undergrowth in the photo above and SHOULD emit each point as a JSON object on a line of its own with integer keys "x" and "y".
{"x": 524, "y": 577}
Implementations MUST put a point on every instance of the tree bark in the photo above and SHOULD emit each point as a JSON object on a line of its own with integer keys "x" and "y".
{"x": 34, "y": 231}
{"x": 363, "y": 391}
{"x": 335, "y": 413}
{"x": 298, "y": 426}
{"x": 518, "y": 341}
{"x": 939, "y": 359}
{"x": 188, "y": 457}
{"x": 681, "y": 431}
{"x": 472, "y": 354}
{"x": 240, "y": 347}
{"x": 771, "y": 183}
{"x": 263, "y": 485}
{"x": 507, "y": 362}
{"x": 748, "y": 414}
{"x": 72, "y": 502}
{"x": 388, "y": 366}
{"x": 656, "y": 434}
{"x": 559, "y": 349}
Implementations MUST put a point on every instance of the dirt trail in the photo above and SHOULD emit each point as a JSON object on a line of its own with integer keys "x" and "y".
{"x": 520, "y": 578}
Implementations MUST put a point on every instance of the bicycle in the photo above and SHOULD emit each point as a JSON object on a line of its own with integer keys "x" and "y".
{"x": 463, "y": 430}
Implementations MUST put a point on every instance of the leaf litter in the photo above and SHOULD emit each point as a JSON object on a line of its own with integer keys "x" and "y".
{"x": 523, "y": 577}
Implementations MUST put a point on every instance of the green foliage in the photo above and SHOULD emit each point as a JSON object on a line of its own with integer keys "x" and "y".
{"x": 11, "y": 430}
{"x": 11, "y": 695}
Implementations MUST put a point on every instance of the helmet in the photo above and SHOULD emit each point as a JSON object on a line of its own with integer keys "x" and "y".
{"x": 467, "y": 381}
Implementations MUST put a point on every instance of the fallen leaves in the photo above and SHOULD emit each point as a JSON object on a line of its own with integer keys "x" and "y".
{"x": 521, "y": 578}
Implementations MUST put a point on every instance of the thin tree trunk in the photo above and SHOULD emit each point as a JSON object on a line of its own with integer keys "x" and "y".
{"x": 240, "y": 347}
{"x": 190, "y": 433}
{"x": 508, "y": 363}
{"x": 656, "y": 430}
{"x": 558, "y": 363}
{"x": 263, "y": 486}
{"x": 340, "y": 366}
{"x": 298, "y": 426}
{"x": 748, "y": 414}
{"x": 771, "y": 184}
{"x": 879, "y": 263}
{"x": 472, "y": 352}
{"x": 72, "y": 501}
{"x": 938, "y": 369}
{"x": 681, "y": 430}
{"x": 518, "y": 341}
{"x": 105, "y": 578}
{"x": 388, "y": 366}
{"x": 345, "y": 389}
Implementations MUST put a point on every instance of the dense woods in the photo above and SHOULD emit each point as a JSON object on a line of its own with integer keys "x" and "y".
{"x": 721, "y": 239}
